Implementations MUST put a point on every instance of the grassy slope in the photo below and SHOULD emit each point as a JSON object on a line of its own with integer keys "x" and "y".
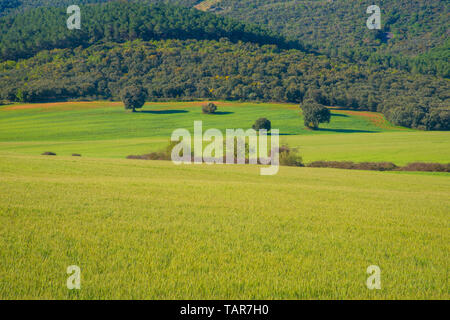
{"x": 103, "y": 129}
{"x": 106, "y": 120}
{"x": 136, "y": 233}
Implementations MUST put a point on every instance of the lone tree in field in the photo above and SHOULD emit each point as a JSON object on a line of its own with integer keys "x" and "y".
{"x": 133, "y": 97}
{"x": 315, "y": 114}
{"x": 262, "y": 123}
{"x": 209, "y": 108}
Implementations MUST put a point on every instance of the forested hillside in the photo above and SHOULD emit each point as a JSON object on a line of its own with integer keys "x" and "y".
{"x": 338, "y": 28}
{"x": 193, "y": 69}
{"x": 120, "y": 21}
{"x": 16, "y": 6}
{"x": 180, "y": 53}
{"x": 333, "y": 27}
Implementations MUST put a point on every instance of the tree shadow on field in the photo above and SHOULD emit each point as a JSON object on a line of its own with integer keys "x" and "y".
{"x": 282, "y": 134}
{"x": 344, "y": 130}
{"x": 163, "y": 111}
{"x": 221, "y": 113}
{"x": 339, "y": 115}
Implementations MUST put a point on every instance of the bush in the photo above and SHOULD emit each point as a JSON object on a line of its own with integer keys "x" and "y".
{"x": 262, "y": 123}
{"x": 377, "y": 166}
{"x": 209, "y": 108}
{"x": 290, "y": 157}
{"x": 133, "y": 97}
{"x": 150, "y": 156}
{"x": 429, "y": 167}
{"x": 48, "y": 153}
{"x": 166, "y": 154}
{"x": 315, "y": 114}
{"x": 381, "y": 166}
{"x": 76, "y": 155}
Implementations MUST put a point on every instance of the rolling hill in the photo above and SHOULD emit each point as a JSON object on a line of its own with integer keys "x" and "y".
{"x": 137, "y": 229}
{"x": 335, "y": 27}
{"x": 102, "y": 129}
{"x": 338, "y": 28}
{"x": 182, "y": 53}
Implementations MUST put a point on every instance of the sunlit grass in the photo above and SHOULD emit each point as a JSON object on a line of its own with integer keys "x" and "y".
{"x": 104, "y": 129}
{"x": 152, "y": 230}
{"x": 77, "y": 121}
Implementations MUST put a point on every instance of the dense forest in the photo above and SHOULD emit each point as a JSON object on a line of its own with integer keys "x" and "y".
{"x": 45, "y": 28}
{"x": 17, "y": 6}
{"x": 338, "y": 28}
{"x": 192, "y": 69}
{"x": 180, "y": 53}
{"x": 410, "y": 29}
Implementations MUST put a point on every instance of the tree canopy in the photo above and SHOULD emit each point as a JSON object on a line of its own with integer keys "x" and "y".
{"x": 133, "y": 97}
{"x": 314, "y": 114}
{"x": 45, "y": 28}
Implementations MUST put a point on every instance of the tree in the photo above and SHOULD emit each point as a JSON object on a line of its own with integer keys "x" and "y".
{"x": 262, "y": 123}
{"x": 439, "y": 119}
{"x": 133, "y": 97}
{"x": 314, "y": 114}
{"x": 209, "y": 108}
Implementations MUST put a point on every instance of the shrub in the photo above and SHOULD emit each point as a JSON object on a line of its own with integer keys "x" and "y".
{"x": 166, "y": 154}
{"x": 381, "y": 166}
{"x": 332, "y": 164}
{"x": 377, "y": 166}
{"x": 48, "y": 153}
{"x": 315, "y": 114}
{"x": 262, "y": 123}
{"x": 429, "y": 167}
{"x": 209, "y": 108}
{"x": 76, "y": 155}
{"x": 290, "y": 157}
{"x": 133, "y": 97}
{"x": 150, "y": 156}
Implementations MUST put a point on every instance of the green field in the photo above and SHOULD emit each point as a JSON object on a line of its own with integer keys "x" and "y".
{"x": 107, "y": 120}
{"x": 144, "y": 229}
{"x": 153, "y": 230}
{"x": 103, "y": 129}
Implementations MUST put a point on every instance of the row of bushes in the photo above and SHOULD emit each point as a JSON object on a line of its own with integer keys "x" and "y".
{"x": 290, "y": 157}
{"x": 377, "y": 166}
{"x": 381, "y": 166}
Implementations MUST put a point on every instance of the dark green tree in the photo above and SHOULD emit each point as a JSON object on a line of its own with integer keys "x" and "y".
{"x": 262, "y": 123}
{"x": 133, "y": 97}
{"x": 209, "y": 108}
{"x": 315, "y": 114}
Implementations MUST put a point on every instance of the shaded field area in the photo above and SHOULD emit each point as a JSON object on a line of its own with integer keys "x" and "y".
{"x": 149, "y": 229}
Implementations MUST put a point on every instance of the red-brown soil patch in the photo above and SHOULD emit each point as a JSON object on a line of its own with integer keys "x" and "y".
{"x": 376, "y": 118}
{"x": 64, "y": 105}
